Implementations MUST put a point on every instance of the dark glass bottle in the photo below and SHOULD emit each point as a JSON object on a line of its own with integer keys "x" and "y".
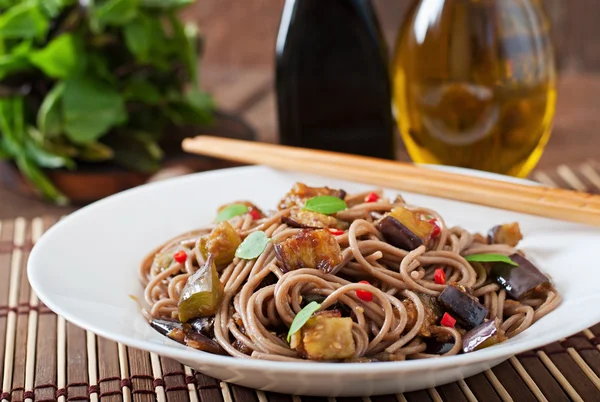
{"x": 332, "y": 78}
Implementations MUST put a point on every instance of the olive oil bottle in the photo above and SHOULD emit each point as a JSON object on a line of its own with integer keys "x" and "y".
{"x": 475, "y": 83}
{"x": 332, "y": 78}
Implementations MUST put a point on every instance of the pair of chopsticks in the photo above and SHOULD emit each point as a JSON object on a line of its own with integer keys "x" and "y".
{"x": 542, "y": 201}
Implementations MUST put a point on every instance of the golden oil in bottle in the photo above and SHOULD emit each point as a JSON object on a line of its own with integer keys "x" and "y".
{"x": 475, "y": 84}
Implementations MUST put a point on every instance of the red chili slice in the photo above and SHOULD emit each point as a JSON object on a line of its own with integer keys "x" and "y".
{"x": 180, "y": 256}
{"x": 335, "y": 232}
{"x": 364, "y": 294}
{"x": 439, "y": 276}
{"x": 255, "y": 214}
{"x": 448, "y": 321}
{"x": 372, "y": 197}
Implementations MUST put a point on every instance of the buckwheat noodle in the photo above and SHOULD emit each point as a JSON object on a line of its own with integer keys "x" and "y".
{"x": 252, "y": 308}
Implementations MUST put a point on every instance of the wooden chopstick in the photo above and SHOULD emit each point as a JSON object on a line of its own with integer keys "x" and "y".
{"x": 542, "y": 201}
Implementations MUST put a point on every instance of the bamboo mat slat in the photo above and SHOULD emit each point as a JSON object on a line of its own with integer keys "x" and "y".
{"x": 44, "y": 358}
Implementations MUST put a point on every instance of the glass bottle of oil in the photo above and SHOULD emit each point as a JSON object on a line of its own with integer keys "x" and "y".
{"x": 475, "y": 83}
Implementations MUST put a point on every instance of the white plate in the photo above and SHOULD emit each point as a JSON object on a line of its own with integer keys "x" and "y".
{"x": 85, "y": 267}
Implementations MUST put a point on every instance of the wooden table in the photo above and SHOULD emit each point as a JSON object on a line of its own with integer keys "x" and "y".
{"x": 249, "y": 93}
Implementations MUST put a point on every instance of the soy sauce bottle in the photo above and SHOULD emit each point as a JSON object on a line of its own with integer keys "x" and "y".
{"x": 332, "y": 80}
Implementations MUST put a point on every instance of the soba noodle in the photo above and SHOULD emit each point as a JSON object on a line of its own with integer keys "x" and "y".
{"x": 260, "y": 299}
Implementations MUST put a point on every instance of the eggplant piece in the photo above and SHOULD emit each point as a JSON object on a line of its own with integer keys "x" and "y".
{"x": 301, "y": 192}
{"x": 186, "y": 335}
{"x": 221, "y": 243}
{"x": 299, "y": 218}
{"x": 202, "y": 293}
{"x": 482, "y": 336}
{"x": 520, "y": 281}
{"x": 326, "y": 336}
{"x": 432, "y": 314}
{"x": 203, "y": 325}
{"x": 397, "y": 234}
{"x": 405, "y": 229}
{"x": 435, "y": 347}
{"x": 309, "y": 249}
{"x": 465, "y": 308}
{"x": 509, "y": 233}
{"x": 170, "y": 328}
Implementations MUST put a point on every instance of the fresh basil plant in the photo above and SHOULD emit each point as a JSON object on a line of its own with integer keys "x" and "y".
{"x": 94, "y": 81}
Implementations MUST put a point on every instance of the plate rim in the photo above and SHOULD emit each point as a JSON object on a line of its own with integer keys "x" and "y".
{"x": 174, "y": 350}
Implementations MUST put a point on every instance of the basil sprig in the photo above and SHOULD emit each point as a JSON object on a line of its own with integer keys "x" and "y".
{"x": 490, "y": 258}
{"x": 301, "y": 318}
{"x": 253, "y": 245}
{"x": 325, "y": 204}
{"x": 231, "y": 211}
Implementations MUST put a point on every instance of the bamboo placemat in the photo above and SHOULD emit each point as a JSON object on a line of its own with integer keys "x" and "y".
{"x": 47, "y": 359}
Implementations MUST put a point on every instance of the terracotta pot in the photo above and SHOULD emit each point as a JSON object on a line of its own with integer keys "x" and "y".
{"x": 91, "y": 182}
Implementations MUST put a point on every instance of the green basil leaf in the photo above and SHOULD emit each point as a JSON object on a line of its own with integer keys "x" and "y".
{"x": 53, "y": 7}
{"x": 114, "y": 12}
{"x": 301, "y": 318}
{"x": 46, "y": 159}
{"x": 61, "y": 58}
{"x": 132, "y": 151}
{"x": 17, "y": 60}
{"x": 24, "y": 20}
{"x": 142, "y": 91}
{"x": 252, "y": 246}
{"x": 325, "y": 204}
{"x": 91, "y": 109}
{"x": 490, "y": 258}
{"x": 138, "y": 36}
{"x": 231, "y": 211}
{"x": 95, "y": 152}
{"x": 35, "y": 175}
{"x": 49, "y": 118}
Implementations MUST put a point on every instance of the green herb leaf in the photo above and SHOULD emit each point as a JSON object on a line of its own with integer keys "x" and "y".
{"x": 138, "y": 35}
{"x": 301, "y": 318}
{"x": 47, "y": 159}
{"x": 114, "y": 12}
{"x": 49, "y": 118}
{"x": 166, "y": 3}
{"x": 231, "y": 211}
{"x": 142, "y": 91}
{"x": 40, "y": 180}
{"x": 490, "y": 258}
{"x": 53, "y": 7}
{"x": 134, "y": 150}
{"x": 23, "y": 20}
{"x": 325, "y": 204}
{"x": 91, "y": 109}
{"x": 60, "y": 58}
{"x": 95, "y": 152}
{"x": 252, "y": 246}
{"x": 17, "y": 60}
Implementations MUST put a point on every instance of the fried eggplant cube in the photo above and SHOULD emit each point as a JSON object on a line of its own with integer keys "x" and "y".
{"x": 432, "y": 314}
{"x": 405, "y": 229}
{"x": 509, "y": 234}
{"x": 309, "y": 249}
{"x": 327, "y": 336}
{"x": 202, "y": 293}
{"x": 300, "y": 218}
{"x": 301, "y": 192}
{"x": 220, "y": 243}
